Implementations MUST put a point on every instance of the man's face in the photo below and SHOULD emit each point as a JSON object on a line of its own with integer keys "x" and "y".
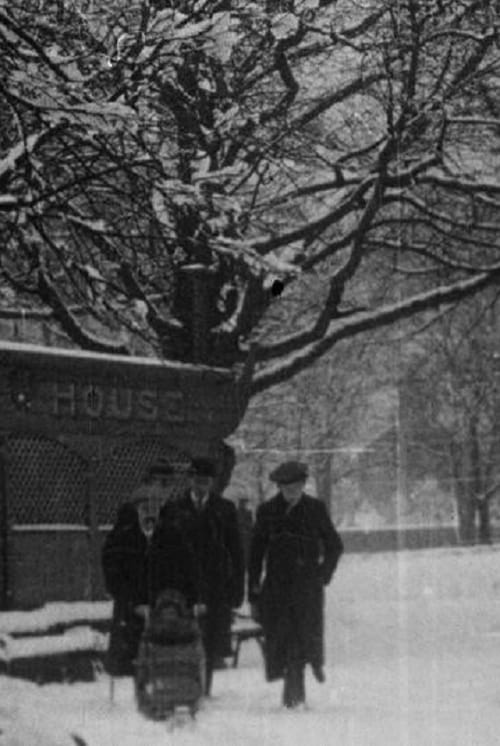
{"x": 148, "y": 511}
{"x": 292, "y": 492}
{"x": 201, "y": 485}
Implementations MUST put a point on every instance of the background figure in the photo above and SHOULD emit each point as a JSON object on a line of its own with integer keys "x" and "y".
{"x": 300, "y": 547}
{"x": 211, "y": 524}
{"x": 143, "y": 555}
{"x": 245, "y": 524}
{"x": 162, "y": 474}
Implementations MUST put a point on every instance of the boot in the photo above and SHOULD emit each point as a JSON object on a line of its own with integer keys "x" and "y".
{"x": 294, "y": 687}
{"x": 318, "y": 672}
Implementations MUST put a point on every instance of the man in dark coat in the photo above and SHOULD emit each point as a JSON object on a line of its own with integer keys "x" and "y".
{"x": 125, "y": 577}
{"x": 142, "y": 556}
{"x": 300, "y": 547}
{"x": 210, "y": 522}
{"x": 245, "y": 523}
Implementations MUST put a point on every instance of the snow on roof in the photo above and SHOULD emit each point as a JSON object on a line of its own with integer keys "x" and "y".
{"x": 24, "y": 348}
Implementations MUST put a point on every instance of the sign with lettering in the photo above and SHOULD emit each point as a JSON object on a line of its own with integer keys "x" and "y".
{"x": 99, "y": 401}
{"x": 92, "y": 394}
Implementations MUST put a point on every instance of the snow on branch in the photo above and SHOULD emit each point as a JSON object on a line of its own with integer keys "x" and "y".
{"x": 10, "y": 162}
{"x": 8, "y": 202}
{"x": 159, "y": 322}
{"x": 475, "y": 121}
{"x": 352, "y": 202}
{"x": 69, "y": 323}
{"x": 343, "y": 178}
{"x": 460, "y": 185}
{"x": 338, "y": 281}
{"x": 363, "y": 321}
{"x": 331, "y": 99}
{"x": 38, "y": 48}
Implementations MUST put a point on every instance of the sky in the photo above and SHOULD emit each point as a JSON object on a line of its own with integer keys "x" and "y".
{"x": 413, "y": 659}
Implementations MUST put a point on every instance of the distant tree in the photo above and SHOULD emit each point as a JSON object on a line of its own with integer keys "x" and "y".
{"x": 452, "y": 405}
{"x": 320, "y": 416}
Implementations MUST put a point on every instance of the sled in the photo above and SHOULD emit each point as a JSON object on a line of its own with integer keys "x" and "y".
{"x": 170, "y": 665}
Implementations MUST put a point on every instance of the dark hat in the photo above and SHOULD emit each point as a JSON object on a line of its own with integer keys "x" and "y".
{"x": 162, "y": 466}
{"x": 147, "y": 493}
{"x": 289, "y": 472}
{"x": 202, "y": 467}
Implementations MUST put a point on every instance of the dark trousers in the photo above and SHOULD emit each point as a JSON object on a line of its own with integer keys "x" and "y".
{"x": 294, "y": 684}
{"x": 125, "y": 634}
{"x": 216, "y": 635}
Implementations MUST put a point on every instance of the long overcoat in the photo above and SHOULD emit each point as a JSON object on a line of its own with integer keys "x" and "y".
{"x": 213, "y": 533}
{"x": 135, "y": 571}
{"x": 300, "y": 549}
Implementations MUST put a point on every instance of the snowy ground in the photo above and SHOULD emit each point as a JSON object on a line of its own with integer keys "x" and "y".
{"x": 413, "y": 648}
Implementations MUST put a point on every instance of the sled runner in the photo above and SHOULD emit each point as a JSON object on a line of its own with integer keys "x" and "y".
{"x": 169, "y": 669}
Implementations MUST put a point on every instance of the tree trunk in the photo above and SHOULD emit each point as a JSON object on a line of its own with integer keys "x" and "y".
{"x": 227, "y": 461}
{"x": 481, "y": 504}
{"x": 261, "y": 493}
{"x": 402, "y": 491}
{"x": 324, "y": 479}
{"x": 466, "y": 507}
{"x": 466, "y": 517}
{"x": 483, "y": 509}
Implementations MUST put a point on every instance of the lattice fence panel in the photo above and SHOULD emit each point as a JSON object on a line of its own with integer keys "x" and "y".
{"x": 47, "y": 483}
{"x": 125, "y": 469}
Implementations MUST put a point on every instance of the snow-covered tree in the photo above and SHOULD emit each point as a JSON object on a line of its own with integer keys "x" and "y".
{"x": 168, "y": 168}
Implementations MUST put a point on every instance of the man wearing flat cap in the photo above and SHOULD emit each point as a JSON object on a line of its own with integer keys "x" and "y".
{"x": 297, "y": 543}
{"x": 211, "y": 523}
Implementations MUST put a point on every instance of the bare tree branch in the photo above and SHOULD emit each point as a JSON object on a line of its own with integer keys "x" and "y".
{"x": 365, "y": 321}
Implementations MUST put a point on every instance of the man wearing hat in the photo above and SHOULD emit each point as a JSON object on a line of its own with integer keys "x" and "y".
{"x": 211, "y": 523}
{"x": 296, "y": 541}
{"x": 143, "y": 555}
